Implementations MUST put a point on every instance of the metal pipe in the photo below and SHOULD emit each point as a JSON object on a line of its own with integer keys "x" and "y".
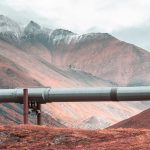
{"x": 25, "y": 110}
{"x": 46, "y": 95}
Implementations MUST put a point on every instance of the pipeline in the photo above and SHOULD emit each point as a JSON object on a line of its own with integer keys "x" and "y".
{"x": 47, "y": 95}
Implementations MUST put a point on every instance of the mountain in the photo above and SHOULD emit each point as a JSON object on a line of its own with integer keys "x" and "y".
{"x": 141, "y": 120}
{"x": 102, "y": 54}
{"x": 39, "y": 56}
{"x": 9, "y": 30}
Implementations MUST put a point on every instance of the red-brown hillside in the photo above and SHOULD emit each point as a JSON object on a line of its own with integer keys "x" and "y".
{"x": 32, "y": 67}
{"x": 106, "y": 57}
{"x": 36, "y": 137}
{"x": 60, "y": 58}
{"x": 141, "y": 120}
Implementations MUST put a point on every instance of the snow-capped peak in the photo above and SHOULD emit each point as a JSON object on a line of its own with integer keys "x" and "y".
{"x": 32, "y": 27}
{"x": 34, "y": 32}
{"x": 8, "y": 25}
{"x": 60, "y": 34}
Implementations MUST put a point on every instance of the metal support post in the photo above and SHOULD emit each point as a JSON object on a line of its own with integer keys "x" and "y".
{"x": 39, "y": 114}
{"x": 26, "y": 109}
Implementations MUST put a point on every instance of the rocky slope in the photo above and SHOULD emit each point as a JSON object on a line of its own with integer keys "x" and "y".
{"x": 37, "y": 56}
{"x": 35, "y": 137}
{"x": 141, "y": 120}
{"x": 102, "y": 54}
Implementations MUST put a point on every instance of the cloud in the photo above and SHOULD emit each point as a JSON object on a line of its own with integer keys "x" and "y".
{"x": 137, "y": 35}
{"x": 81, "y": 16}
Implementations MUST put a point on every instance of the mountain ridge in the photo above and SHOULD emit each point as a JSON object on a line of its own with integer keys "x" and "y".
{"x": 60, "y": 58}
{"x": 56, "y": 34}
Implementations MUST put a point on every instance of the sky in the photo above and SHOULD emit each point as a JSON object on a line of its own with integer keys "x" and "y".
{"x": 128, "y": 20}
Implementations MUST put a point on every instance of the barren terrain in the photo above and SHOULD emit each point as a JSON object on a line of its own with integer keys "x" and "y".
{"x": 35, "y": 137}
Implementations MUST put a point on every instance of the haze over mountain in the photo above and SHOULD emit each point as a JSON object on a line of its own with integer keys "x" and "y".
{"x": 126, "y": 20}
{"x": 38, "y": 56}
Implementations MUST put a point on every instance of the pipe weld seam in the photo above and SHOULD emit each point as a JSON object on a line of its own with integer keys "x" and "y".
{"x": 113, "y": 94}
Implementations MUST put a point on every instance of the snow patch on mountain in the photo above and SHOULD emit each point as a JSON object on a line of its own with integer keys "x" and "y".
{"x": 32, "y": 27}
{"x": 33, "y": 31}
{"x": 9, "y": 26}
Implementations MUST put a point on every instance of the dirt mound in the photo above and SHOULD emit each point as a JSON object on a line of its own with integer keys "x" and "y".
{"x": 141, "y": 120}
{"x": 36, "y": 137}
